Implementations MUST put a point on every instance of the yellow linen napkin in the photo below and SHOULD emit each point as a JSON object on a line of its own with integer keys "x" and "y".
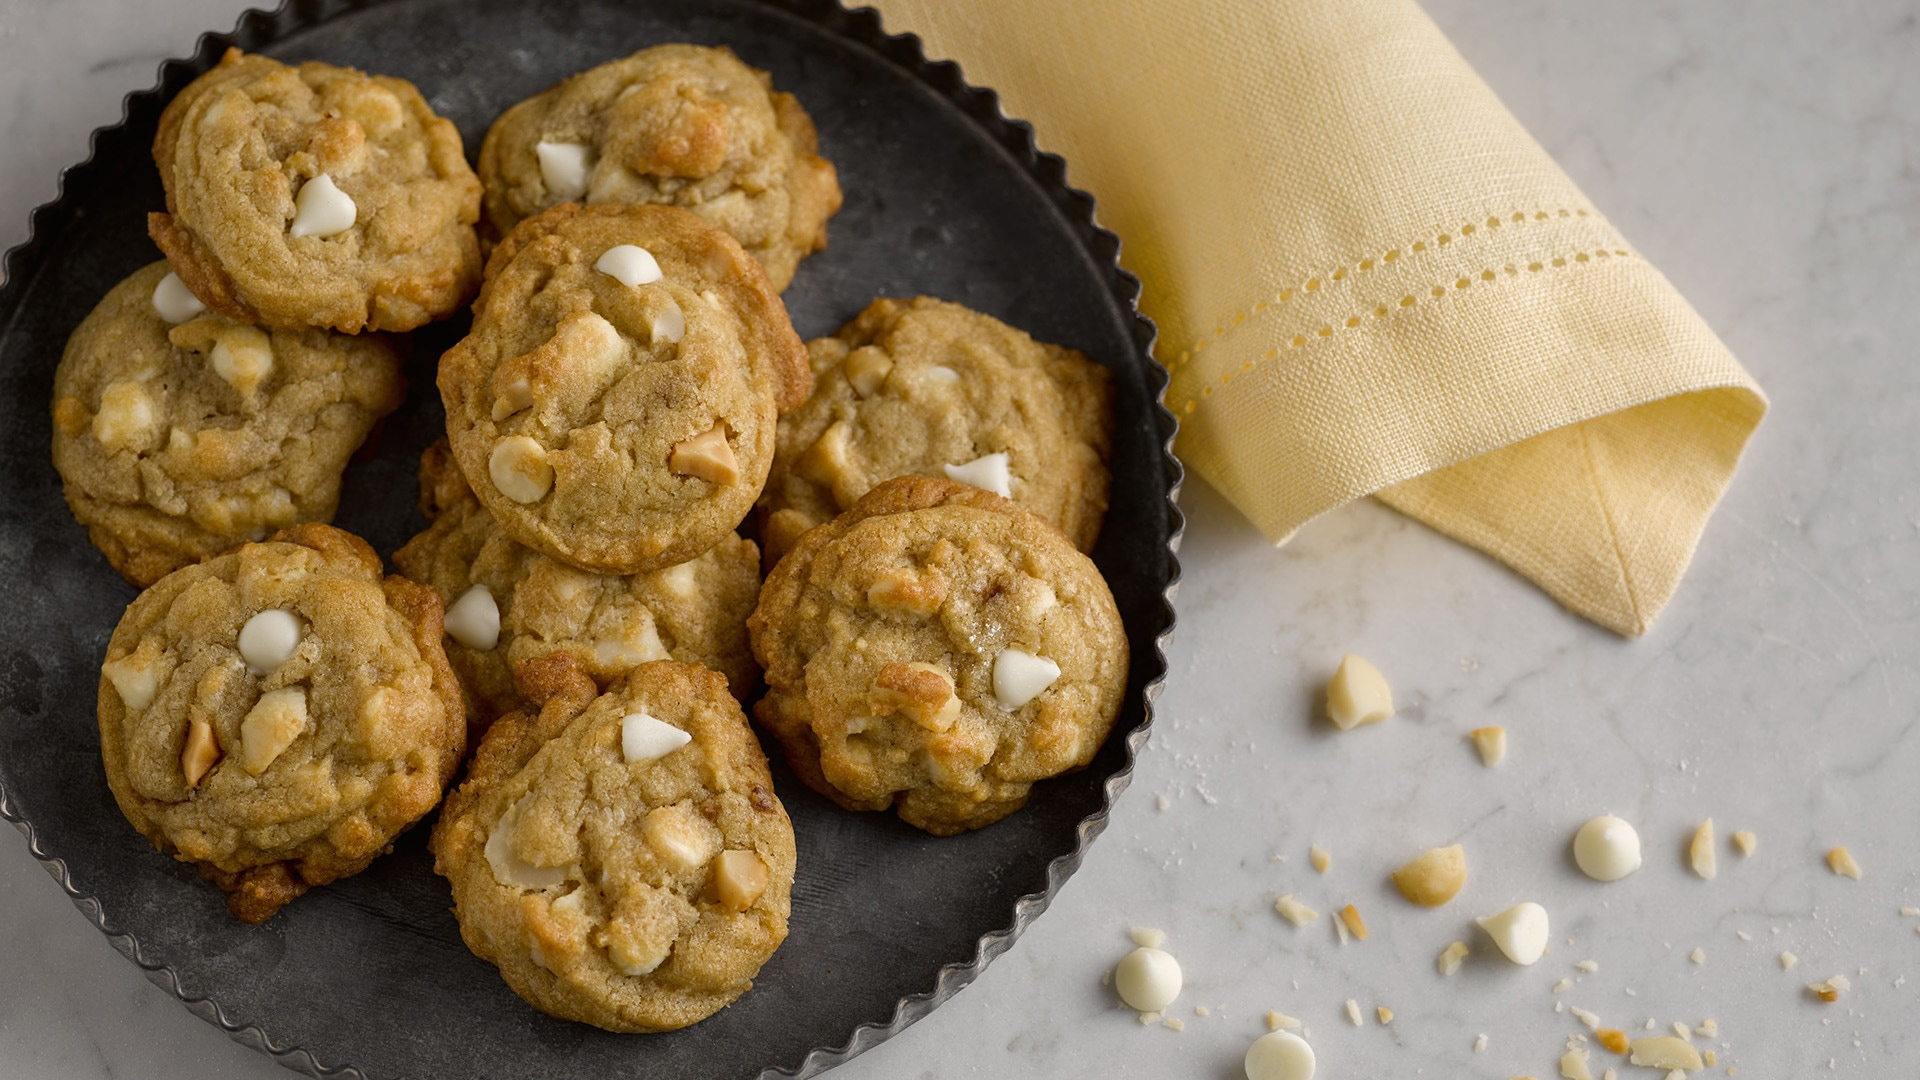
{"x": 1369, "y": 280}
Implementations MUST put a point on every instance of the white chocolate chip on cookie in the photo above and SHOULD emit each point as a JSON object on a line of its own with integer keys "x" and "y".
{"x": 564, "y": 168}
{"x": 322, "y": 209}
{"x": 669, "y": 324}
{"x": 243, "y": 356}
{"x": 1020, "y": 676}
{"x": 518, "y": 467}
{"x": 629, "y": 264}
{"x": 643, "y": 738}
{"x": 990, "y": 471}
{"x": 268, "y": 640}
{"x": 174, "y": 302}
{"x": 473, "y": 620}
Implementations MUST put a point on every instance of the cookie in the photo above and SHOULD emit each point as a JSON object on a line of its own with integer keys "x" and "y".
{"x": 614, "y": 406}
{"x": 679, "y": 125}
{"x": 180, "y": 434}
{"x": 620, "y": 858}
{"x": 315, "y": 196}
{"x": 937, "y": 649}
{"x": 928, "y": 387}
{"x": 277, "y": 715}
{"x": 507, "y": 603}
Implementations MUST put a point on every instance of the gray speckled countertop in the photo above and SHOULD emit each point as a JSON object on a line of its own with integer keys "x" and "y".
{"x": 1766, "y": 155}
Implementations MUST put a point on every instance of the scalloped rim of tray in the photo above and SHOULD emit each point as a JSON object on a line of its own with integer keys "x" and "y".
{"x": 862, "y": 26}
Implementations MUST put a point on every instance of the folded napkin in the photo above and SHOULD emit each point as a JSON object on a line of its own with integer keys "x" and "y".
{"x": 1369, "y": 280}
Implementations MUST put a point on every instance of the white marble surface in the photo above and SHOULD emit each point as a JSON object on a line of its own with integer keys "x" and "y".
{"x": 1761, "y": 152}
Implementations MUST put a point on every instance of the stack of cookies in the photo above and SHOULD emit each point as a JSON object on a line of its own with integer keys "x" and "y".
{"x": 582, "y": 609}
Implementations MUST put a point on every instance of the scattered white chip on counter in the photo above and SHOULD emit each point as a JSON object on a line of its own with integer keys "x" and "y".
{"x": 1701, "y": 854}
{"x": 1384, "y": 1014}
{"x": 1607, "y": 848}
{"x": 1294, "y": 911}
{"x": 1563, "y": 984}
{"x": 1491, "y": 741}
{"x": 1841, "y": 861}
{"x": 1520, "y": 932}
{"x": 1147, "y": 979}
{"x": 173, "y": 301}
{"x": 1358, "y": 694}
{"x": 1910, "y": 912}
{"x": 1279, "y": 1055}
{"x": 1174, "y": 1023}
{"x": 629, "y": 264}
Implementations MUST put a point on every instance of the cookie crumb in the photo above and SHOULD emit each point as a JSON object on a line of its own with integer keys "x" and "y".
{"x": 1563, "y": 985}
{"x": 1910, "y": 912}
{"x": 1202, "y": 1010}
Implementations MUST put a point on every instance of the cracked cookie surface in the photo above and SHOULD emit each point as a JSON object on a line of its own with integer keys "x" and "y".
{"x": 620, "y": 857}
{"x": 928, "y": 387}
{"x": 680, "y": 125}
{"x": 531, "y": 605}
{"x": 315, "y": 196}
{"x": 936, "y": 650}
{"x": 176, "y": 441}
{"x": 279, "y": 714}
{"x": 614, "y": 405}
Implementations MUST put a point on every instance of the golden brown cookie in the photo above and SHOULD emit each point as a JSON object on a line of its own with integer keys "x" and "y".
{"x": 315, "y": 196}
{"x": 679, "y": 125}
{"x": 181, "y": 434}
{"x": 279, "y": 714}
{"x": 621, "y": 859}
{"x": 937, "y": 649}
{"x": 929, "y": 387}
{"x": 507, "y": 603}
{"x": 614, "y": 406}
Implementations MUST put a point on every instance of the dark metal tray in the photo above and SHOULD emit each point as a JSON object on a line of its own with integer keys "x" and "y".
{"x": 368, "y": 977}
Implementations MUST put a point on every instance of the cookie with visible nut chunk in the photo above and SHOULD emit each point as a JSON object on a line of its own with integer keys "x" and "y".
{"x": 315, "y": 196}
{"x": 928, "y": 387}
{"x": 507, "y": 603}
{"x": 180, "y": 434}
{"x": 620, "y": 857}
{"x": 277, "y": 715}
{"x": 678, "y": 125}
{"x": 936, "y": 650}
{"x": 614, "y": 406}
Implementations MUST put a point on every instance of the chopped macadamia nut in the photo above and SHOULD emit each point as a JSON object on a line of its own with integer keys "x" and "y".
{"x": 739, "y": 879}
{"x": 1613, "y": 1039}
{"x": 1294, "y": 911}
{"x": 1745, "y": 842}
{"x": 1710, "y": 1058}
{"x": 1573, "y": 1065}
{"x": 1842, "y": 862}
{"x": 1563, "y": 985}
{"x": 1353, "y": 1012}
{"x": 1787, "y": 960}
{"x": 1279, "y": 1021}
{"x": 271, "y": 726}
{"x": 1433, "y": 877}
{"x": 1147, "y": 938}
{"x": 1698, "y": 955}
{"x": 1320, "y": 857}
{"x": 867, "y": 368}
{"x": 1358, "y": 694}
{"x": 201, "y": 752}
{"x": 1701, "y": 854}
{"x": 1708, "y": 1029}
{"x": 706, "y": 456}
{"x": 1148, "y": 979}
{"x": 920, "y": 692}
{"x": 1831, "y": 989}
{"x": 1202, "y": 1010}
{"x": 1492, "y": 744}
{"x": 1665, "y": 1052}
{"x": 1909, "y": 912}
{"x": 1681, "y": 1030}
{"x": 1350, "y": 915}
{"x": 1174, "y": 1023}
{"x": 1340, "y": 929}
{"x": 1385, "y": 1014}
{"x": 1588, "y": 966}
{"x": 1451, "y": 957}
{"x": 519, "y": 469}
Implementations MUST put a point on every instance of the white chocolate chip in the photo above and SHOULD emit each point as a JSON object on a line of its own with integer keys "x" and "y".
{"x": 243, "y": 356}
{"x": 1705, "y": 860}
{"x": 564, "y": 168}
{"x": 519, "y": 469}
{"x": 1492, "y": 744}
{"x": 1358, "y": 694}
{"x": 1294, "y": 911}
{"x": 643, "y": 738}
{"x": 669, "y": 324}
{"x": 629, "y": 264}
{"x": 1451, "y": 958}
{"x": 680, "y": 836}
{"x": 200, "y": 753}
{"x": 991, "y": 472}
{"x": 322, "y": 209}
{"x": 1520, "y": 932}
{"x": 132, "y": 680}
{"x": 174, "y": 302}
{"x": 1020, "y": 676}
{"x": 270, "y": 727}
{"x": 1147, "y": 979}
{"x": 268, "y": 640}
{"x": 867, "y": 368}
{"x": 1279, "y": 1055}
{"x": 639, "y": 643}
{"x": 125, "y": 420}
{"x": 510, "y": 869}
{"x": 1841, "y": 862}
{"x": 1607, "y": 848}
{"x": 706, "y": 456}
{"x": 739, "y": 879}
{"x": 679, "y": 579}
{"x": 1665, "y": 1052}
{"x": 473, "y": 620}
